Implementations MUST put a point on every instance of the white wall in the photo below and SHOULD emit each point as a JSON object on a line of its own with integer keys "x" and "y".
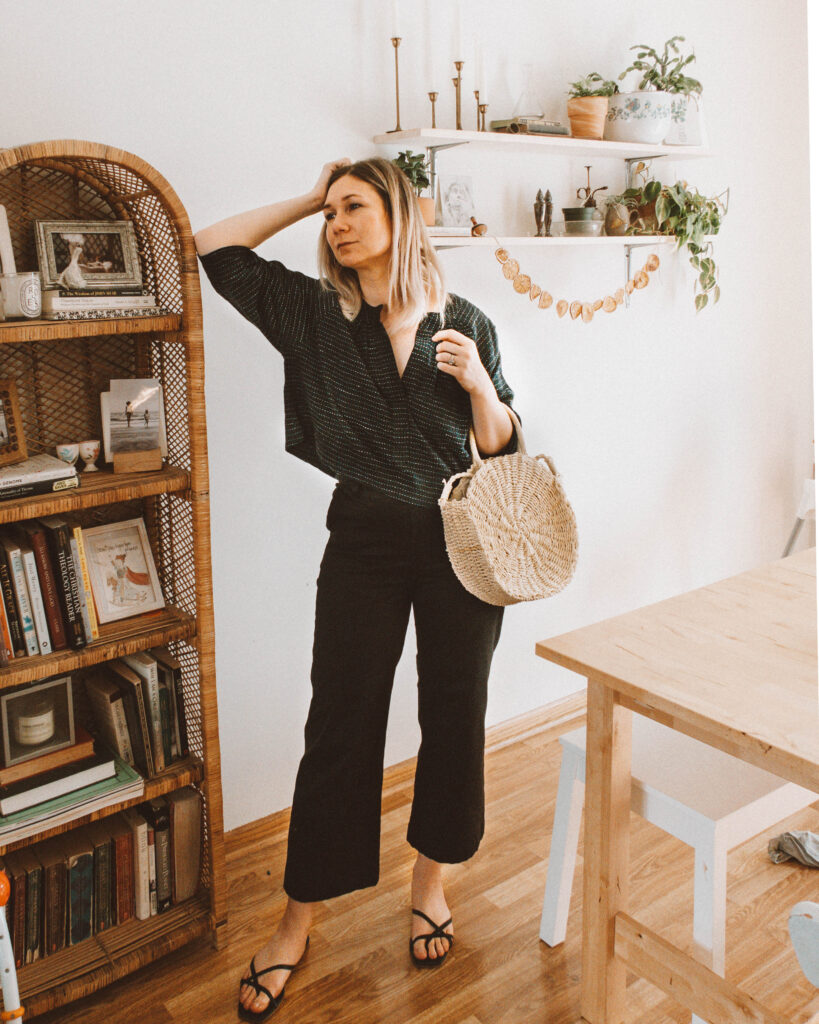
{"x": 683, "y": 439}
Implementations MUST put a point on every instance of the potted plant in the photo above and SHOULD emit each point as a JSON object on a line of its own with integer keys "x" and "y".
{"x": 688, "y": 215}
{"x": 414, "y": 165}
{"x": 588, "y": 104}
{"x": 645, "y": 114}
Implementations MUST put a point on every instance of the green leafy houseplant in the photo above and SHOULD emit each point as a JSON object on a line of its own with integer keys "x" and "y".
{"x": 414, "y": 165}
{"x": 592, "y": 85}
{"x": 688, "y": 215}
{"x": 664, "y": 71}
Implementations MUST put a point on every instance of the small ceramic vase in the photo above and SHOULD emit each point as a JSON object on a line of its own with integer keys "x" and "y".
{"x": 89, "y": 453}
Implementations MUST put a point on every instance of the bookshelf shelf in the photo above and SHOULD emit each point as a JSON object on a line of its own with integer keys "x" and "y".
{"x": 60, "y": 369}
{"x": 102, "y": 488}
{"x": 90, "y": 965}
{"x": 116, "y": 638}
{"x": 15, "y": 331}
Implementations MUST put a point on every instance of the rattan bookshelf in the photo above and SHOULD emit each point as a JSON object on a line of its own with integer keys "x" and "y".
{"x": 60, "y": 369}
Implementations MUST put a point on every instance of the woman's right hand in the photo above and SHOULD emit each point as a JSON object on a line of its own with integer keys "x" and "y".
{"x": 319, "y": 190}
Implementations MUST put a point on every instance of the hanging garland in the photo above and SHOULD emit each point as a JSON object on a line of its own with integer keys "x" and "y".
{"x": 523, "y": 285}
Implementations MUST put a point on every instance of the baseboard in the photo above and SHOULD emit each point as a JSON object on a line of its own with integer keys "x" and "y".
{"x": 556, "y": 718}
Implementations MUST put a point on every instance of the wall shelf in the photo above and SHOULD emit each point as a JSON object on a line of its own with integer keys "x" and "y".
{"x": 623, "y": 241}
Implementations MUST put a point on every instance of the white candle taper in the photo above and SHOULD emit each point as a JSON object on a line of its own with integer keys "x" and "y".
{"x": 396, "y": 20}
{"x": 6, "y": 251}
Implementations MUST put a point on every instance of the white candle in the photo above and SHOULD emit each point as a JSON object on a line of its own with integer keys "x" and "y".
{"x": 396, "y": 20}
{"x": 429, "y": 46}
{"x": 459, "y": 31}
{"x": 6, "y": 251}
{"x": 482, "y": 81}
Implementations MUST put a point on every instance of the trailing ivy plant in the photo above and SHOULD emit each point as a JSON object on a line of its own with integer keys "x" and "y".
{"x": 688, "y": 215}
{"x": 664, "y": 71}
{"x": 592, "y": 85}
{"x": 414, "y": 165}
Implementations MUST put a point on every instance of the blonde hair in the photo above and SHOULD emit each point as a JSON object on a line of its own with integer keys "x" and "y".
{"x": 416, "y": 284}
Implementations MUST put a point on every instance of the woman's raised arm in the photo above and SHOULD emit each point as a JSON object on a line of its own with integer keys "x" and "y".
{"x": 256, "y": 226}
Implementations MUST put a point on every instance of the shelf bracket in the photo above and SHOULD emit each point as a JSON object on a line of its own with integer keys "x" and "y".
{"x": 631, "y": 160}
{"x": 627, "y": 256}
{"x": 432, "y": 159}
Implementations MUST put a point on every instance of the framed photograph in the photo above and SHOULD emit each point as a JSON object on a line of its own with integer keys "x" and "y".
{"x": 124, "y": 581}
{"x": 37, "y": 719}
{"x": 12, "y": 443}
{"x": 83, "y": 255}
{"x": 133, "y": 417}
{"x": 455, "y": 201}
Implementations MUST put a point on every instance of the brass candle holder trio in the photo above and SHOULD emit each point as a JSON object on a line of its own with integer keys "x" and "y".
{"x": 457, "y": 81}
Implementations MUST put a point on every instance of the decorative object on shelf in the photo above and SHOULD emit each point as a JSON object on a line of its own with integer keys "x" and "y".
{"x": 687, "y": 215}
{"x": 528, "y": 126}
{"x": 455, "y": 200}
{"x": 134, "y": 426}
{"x": 616, "y": 217}
{"x": 12, "y": 443}
{"x": 36, "y": 719}
{"x": 477, "y": 94}
{"x": 478, "y": 230}
{"x": 456, "y": 81}
{"x": 21, "y": 295}
{"x": 665, "y": 72}
{"x": 89, "y": 453}
{"x": 396, "y": 42}
{"x": 539, "y": 206}
{"x": 7, "y": 263}
{"x": 588, "y": 105}
{"x": 547, "y": 215}
{"x": 88, "y": 255}
{"x": 586, "y": 193}
{"x": 416, "y": 168}
{"x": 68, "y": 453}
{"x": 523, "y": 285}
{"x": 483, "y": 109}
{"x": 121, "y": 566}
{"x": 433, "y": 96}
{"x": 529, "y": 104}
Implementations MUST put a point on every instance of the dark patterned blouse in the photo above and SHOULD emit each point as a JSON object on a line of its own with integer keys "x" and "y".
{"x": 347, "y": 410}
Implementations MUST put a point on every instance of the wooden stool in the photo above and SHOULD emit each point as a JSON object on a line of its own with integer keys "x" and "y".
{"x": 706, "y": 798}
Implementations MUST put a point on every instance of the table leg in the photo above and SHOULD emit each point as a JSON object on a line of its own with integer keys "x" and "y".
{"x": 606, "y": 852}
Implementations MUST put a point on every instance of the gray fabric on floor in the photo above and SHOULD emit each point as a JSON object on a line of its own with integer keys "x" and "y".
{"x": 801, "y": 846}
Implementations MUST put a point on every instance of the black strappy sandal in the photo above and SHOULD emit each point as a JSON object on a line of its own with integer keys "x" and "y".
{"x": 254, "y": 1016}
{"x": 427, "y": 937}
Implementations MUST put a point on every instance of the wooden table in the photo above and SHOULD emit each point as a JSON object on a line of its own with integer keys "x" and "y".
{"x": 732, "y": 664}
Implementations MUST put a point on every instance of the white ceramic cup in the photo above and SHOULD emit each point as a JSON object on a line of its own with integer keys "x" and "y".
{"x": 22, "y": 295}
{"x": 89, "y": 453}
{"x": 68, "y": 453}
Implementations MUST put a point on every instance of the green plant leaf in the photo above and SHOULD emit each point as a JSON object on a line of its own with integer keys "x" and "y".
{"x": 700, "y": 302}
{"x": 716, "y": 293}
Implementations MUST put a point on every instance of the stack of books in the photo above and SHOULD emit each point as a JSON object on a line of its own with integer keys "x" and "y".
{"x": 47, "y": 603}
{"x": 135, "y": 864}
{"x": 41, "y": 474}
{"x": 138, "y": 706}
{"x": 529, "y": 126}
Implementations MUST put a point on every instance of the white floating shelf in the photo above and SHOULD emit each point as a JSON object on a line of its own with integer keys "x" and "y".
{"x": 467, "y": 242}
{"x": 557, "y": 145}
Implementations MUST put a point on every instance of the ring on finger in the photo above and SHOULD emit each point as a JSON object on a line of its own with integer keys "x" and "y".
{"x": 451, "y": 360}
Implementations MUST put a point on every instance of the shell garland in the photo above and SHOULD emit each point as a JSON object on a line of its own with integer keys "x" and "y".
{"x": 585, "y": 311}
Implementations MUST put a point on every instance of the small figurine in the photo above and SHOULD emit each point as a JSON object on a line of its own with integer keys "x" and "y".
{"x": 547, "y": 219}
{"x": 477, "y": 229}
{"x": 539, "y": 207}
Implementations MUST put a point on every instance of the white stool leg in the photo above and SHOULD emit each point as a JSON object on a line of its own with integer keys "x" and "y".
{"x": 710, "y": 893}
{"x": 563, "y": 851}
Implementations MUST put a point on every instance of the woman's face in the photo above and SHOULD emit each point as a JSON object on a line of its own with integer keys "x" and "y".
{"x": 358, "y": 228}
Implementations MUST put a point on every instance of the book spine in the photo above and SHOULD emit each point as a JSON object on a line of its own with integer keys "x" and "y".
{"x": 80, "y": 898}
{"x": 139, "y": 728}
{"x": 61, "y": 550}
{"x": 83, "y": 601}
{"x": 7, "y": 649}
{"x": 17, "y": 643}
{"x": 48, "y": 586}
{"x": 34, "y": 900}
{"x": 105, "y": 313}
{"x": 124, "y": 868}
{"x": 102, "y": 887}
{"x": 18, "y": 935}
{"x": 150, "y": 685}
{"x": 85, "y": 577}
{"x": 40, "y": 487}
{"x": 64, "y": 293}
{"x": 36, "y": 598}
{"x": 55, "y": 907}
{"x": 16, "y": 475}
{"x": 142, "y": 883}
{"x": 165, "y": 721}
{"x": 152, "y": 869}
{"x": 124, "y": 748}
{"x": 18, "y": 579}
{"x": 164, "y": 878}
{"x": 67, "y": 303}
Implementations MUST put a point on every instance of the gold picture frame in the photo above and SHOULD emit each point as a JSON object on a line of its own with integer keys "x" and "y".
{"x": 12, "y": 443}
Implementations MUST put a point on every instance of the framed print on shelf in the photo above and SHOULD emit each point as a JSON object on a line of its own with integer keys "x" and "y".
{"x": 124, "y": 581}
{"x": 455, "y": 201}
{"x": 12, "y": 443}
{"x": 36, "y": 720}
{"x": 85, "y": 255}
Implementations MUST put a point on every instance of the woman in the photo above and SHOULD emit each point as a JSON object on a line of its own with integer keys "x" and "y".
{"x": 384, "y": 374}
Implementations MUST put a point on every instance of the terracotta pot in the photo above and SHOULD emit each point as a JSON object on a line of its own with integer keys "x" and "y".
{"x": 427, "y": 205}
{"x": 587, "y": 116}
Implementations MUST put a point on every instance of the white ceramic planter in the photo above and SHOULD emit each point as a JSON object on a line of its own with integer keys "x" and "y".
{"x": 638, "y": 117}
{"x": 687, "y": 123}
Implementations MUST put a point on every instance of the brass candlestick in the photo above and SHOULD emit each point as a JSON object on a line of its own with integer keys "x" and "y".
{"x": 477, "y": 110}
{"x": 396, "y": 42}
{"x": 482, "y": 109}
{"x": 433, "y": 96}
{"x": 457, "y": 83}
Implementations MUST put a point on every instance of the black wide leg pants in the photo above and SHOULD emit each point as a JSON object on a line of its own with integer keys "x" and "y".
{"x": 383, "y": 558}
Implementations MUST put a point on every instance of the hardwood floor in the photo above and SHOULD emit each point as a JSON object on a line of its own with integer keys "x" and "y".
{"x": 358, "y": 968}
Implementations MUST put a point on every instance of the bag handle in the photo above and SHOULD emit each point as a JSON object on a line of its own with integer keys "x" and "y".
{"x": 473, "y": 445}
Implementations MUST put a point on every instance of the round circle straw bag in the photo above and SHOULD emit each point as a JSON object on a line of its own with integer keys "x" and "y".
{"x": 510, "y": 531}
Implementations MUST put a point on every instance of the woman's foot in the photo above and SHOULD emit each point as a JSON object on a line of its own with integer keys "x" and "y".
{"x": 428, "y": 897}
{"x": 286, "y": 946}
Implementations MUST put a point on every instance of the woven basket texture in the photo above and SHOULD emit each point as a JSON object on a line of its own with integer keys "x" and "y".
{"x": 511, "y": 534}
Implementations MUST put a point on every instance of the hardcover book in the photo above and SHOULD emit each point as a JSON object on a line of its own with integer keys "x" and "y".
{"x": 122, "y": 845}
{"x": 29, "y": 793}
{"x": 39, "y": 487}
{"x": 99, "y": 837}
{"x": 14, "y": 561}
{"x": 157, "y": 814}
{"x": 79, "y": 854}
{"x": 108, "y": 706}
{"x": 146, "y": 668}
{"x": 173, "y": 679}
{"x": 51, "y": 854}
{"x": 136, "y": 713}
{"x": 186, "y": 841}
{"x": 16, "y": 908}
{"x": 30, "y": 862}
{"x": 59, "y": 545}
{"x": 36, "y": 468}
{"x": 35, "y": 536}
{"x": 10, "y": 608}
{"x": 82, "y": 747}
{"x": 142, "y": 879}
{"x": 36, "y": 599}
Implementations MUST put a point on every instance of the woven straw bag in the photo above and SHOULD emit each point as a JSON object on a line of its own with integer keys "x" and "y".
{"x": 510, "y": 531}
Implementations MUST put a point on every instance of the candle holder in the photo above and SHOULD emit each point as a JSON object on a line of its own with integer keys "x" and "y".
{"x": 457, "y": 83}
{"x": 482, "y": 109}
{"x": 396, "y": 42}
{"x": 433, "y": 96}
{"x": 477, "y": 94}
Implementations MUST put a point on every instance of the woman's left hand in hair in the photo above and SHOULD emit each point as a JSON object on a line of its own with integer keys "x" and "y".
{"x": 458, "y": 356}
